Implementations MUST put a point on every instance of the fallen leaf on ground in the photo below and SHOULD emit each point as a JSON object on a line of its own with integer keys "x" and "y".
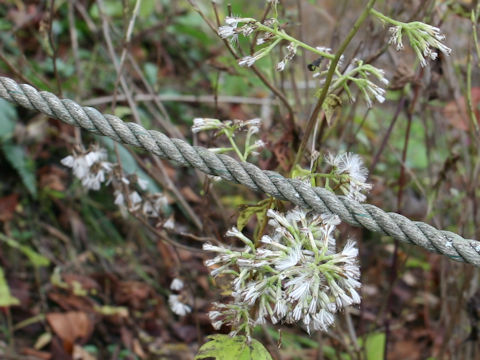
{"x": 7, "y": 207}
{"x": 71, "y": 327}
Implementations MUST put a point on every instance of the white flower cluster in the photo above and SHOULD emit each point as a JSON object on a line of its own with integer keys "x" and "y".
{"x": 89, "y": 167}
{"x": 127, "y": 198}
{"x": 249, "y": 60}
{"x": 291, "y": 52}
{"x": 229, "y": 128}
{"x": 294, "y": 276}
{"x": 352, "y": 174}
{"x": 423, "y": 39}
{"x": 176, "y": 301}
{"x": 268, "y": 37}
{"x": 93, "y": 169}
{"x": 150, "y": 205}
{"x": 231, "y": 29}
{"x": 206, "y": 124}
{"x": 359, "y": 73}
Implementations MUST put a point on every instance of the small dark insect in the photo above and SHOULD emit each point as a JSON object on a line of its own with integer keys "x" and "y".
{"x": 315, "y": 63}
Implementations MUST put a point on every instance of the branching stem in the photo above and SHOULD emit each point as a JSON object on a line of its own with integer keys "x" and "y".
{"x": 323, "y": 95}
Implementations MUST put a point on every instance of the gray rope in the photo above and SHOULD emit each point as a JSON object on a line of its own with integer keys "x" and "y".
{"x": 269, "y": 182}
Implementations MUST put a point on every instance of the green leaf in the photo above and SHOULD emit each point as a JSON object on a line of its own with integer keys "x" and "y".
{"x": 147, "y": 8}
{"x": 330, "y": 106}
{"x": 417, "y": 263}
{"x": 113, "y": 9}
{"x": 8, "y": 116}
{"x": 20, "y": 161}
{"x": 107, "y": 310}
{"x": 375, "y": 345}
{"x": 35, "y": 258}
{"x": 151, "y": 73}
{"x": 224, "y": 347}
{"x": 6, "y": 299}
{"x": 5, "y": 25}
{"x": 247, "y": 211}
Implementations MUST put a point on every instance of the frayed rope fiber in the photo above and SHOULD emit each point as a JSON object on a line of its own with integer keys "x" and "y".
{"x": 269, "y": 182}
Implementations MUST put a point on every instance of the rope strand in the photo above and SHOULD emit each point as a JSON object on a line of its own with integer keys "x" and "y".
{"x": 269, "y": 182}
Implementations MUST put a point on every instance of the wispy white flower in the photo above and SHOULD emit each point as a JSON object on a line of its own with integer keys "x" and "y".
{"x": 234, "y": 232}
{"x": 291, "y": 51}
{"x": 234, "y": 315}
{"x": 142, "y": 183}
{"x": 135, "y": 200}
{"x": 259, "y": 144}
{"x": 248, "y": 60}
{"x": 231, "y": 29}
{"x": 247, "y": 30}
{"x": 253, "y": 122}
{"x": 202, "y": 124}
{"x": 177, "y": 306}
{"x": 372, "y": 90}
{"x": 289, "y": 259}
{"x": 68, "y": 161}
{"x": 281, "y": 65}
{"x": 119, "y": 198}
{"x": 423, "y": 39}
{"x": 92, "y": 169}
{"x": 227, "y": 31}
{"x": 153, "y": 204}
{"x": 89, "y": 167}
{"x": 169, "y": 224}
{"x": 359, "y": 73}
{"x": 176, "y": 284}
{"x": 396, "y": 37}
{"x": 351, "y": 165}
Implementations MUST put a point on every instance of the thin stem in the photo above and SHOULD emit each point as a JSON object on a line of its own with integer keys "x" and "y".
{"x": 53, "y": 47}
{"x": 282, "y": 34}
{"x": 470, "y": 108}
{"x": 474, "y": 18}
{"x": 234, "y": 145}
{"x": 328, "y": 80}
{"x": 257, "y": 72}
{"x": 385, "y": 18}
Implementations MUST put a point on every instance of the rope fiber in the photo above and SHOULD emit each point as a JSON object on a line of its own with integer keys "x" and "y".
{"x": 269, "y": 182}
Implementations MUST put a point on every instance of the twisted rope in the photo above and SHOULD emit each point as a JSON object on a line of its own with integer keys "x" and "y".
{"x": 269, "y": 182}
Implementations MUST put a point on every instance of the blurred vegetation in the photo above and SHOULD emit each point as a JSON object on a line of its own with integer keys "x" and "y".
{"x": 79, "y": 280}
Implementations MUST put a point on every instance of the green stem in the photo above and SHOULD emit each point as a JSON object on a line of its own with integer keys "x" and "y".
{"x": 282, "y": 34}
{"x": 328, "y": 80}
{"x": 471, "y": 110}
{"x": 234, "y": 145}
{"x": 474, "y": 18}
{"x": 385, "y": 18}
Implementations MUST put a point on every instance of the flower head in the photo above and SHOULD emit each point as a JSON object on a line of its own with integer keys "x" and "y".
{"x": 291, "y": 51}
{"x": 176, "y": 284}
{"x": 249, "y": 60}
{"x": 424, "y": 40}
{"x": 352, "y": 173}
{"x": 203, "y": 124}
{"x": 293, "y": 276}
{"x": 231, "y": 29}
{"x": 177, "y": 306}
{"x": 360, "y": 74}
{"x": 89, "y": 167}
